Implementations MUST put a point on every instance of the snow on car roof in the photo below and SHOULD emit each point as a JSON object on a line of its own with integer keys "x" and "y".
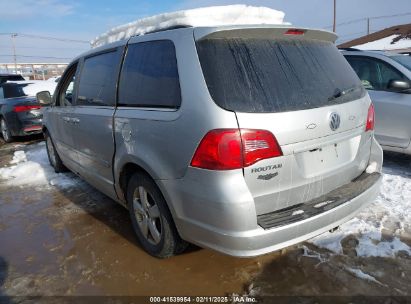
{"x": 208, "y": 16}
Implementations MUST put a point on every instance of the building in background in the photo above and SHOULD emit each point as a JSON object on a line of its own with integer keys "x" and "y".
{"x": 34, "y": 71}
{"x": 395, "y": 39}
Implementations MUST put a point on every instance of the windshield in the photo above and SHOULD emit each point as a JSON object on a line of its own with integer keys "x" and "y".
{"x": 13, "y": 90}
{"x": 276, "y": 75}
{"x": 404, "y": 60}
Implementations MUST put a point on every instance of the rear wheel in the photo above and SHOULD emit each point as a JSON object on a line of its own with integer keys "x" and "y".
{"x": 53, "y": 156}
{"x": 151, "y": 218}
{"x": 5, "y": 132}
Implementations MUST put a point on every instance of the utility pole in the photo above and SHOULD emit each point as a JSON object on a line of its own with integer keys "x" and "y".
{"x": 335, "y": 15}
{"x": 14, "y": 52}
{"x": 368, "y": 26}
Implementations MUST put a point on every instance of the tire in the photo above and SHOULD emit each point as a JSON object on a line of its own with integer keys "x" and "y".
{"x": 54, "y": 158}
{"x": 151, "y": 218}
{"x": 5, "y": 132}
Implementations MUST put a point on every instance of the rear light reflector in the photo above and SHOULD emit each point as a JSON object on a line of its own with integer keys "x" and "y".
{"x": 32, "y": 128}
{"x": 26, "y": 108}
{"x": 227, "y": 149}
{"x": 370, "y": 119}
{"x": 294, "y": 32}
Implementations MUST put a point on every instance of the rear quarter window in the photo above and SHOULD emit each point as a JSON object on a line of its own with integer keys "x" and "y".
{"x": 149, "y": 76}
{"x": 276, "y": 75}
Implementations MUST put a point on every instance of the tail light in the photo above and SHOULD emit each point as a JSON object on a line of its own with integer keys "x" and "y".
{"x": 26, "y": 108}
{"x": 370, "y": 119}
{"x": 227, "y": 149}
{"x": 294, "y": 32}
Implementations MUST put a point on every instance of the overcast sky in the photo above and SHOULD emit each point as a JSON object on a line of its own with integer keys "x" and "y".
{"x": 84, "y": 20}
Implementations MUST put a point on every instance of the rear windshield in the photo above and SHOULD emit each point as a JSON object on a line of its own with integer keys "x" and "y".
{"x": 4, "y": 78}
{"x": 15, "y": 90}
{"x": 266, "y": 75}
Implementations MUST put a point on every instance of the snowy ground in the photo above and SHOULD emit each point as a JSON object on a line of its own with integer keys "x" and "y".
{"x": 374, "y": 247}
{"x": 31, "y": 167}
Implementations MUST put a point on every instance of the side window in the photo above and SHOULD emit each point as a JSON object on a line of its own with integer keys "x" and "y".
{"x": 389, "y": 73}
{"x": 66, "y": 94}
{"x": 149, "y": 77}
{"x": 98, "y": 80}
{"x": 374, "y": 74}
{"x": 367, "y": 71}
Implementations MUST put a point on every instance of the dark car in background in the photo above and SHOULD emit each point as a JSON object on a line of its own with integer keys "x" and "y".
{"x": 20, "y": 114}
{"x": 10, "y": 77}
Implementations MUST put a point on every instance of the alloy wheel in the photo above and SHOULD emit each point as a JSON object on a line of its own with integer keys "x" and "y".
{"x": 147, "y": 215}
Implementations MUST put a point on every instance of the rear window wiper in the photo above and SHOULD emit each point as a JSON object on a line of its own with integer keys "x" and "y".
{"x": 340, "y": 93}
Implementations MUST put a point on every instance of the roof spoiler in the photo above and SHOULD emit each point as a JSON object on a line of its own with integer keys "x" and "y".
{"x": 262, "y": 31}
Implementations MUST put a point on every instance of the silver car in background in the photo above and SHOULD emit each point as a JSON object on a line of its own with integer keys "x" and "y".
{"x": 243, "y": 139}
{"x": 387, "y": 77}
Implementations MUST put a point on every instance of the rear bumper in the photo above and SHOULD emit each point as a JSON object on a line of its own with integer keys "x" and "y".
{"x": 216, "y": 210}
{"x": 24, "y": 126}
{"x": 261, "y": 241}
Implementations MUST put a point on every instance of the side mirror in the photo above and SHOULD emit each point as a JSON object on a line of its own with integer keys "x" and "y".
{"x": 398, "y": 85}
{"x": 44, "y": 98}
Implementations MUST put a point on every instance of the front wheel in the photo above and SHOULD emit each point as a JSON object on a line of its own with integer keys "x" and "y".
{"x": 5, "y": 132}
{"x": 151, "y": 218}
{"x": 53, "y": 156}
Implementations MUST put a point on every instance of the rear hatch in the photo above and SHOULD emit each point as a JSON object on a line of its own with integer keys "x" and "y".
{"x": 295, "y": 84}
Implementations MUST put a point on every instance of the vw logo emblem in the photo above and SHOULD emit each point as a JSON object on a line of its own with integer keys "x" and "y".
{"x": 334, "y": 121}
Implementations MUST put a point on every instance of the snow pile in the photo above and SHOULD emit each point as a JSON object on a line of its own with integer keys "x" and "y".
{"x": 208, "y": 16}
{"x": 385, "y": 44}
{"x": 33, "y": 168}
{"x": 378, "y": 228}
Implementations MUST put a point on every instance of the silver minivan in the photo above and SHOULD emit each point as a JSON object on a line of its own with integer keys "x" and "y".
{"x": 243, "y": 139}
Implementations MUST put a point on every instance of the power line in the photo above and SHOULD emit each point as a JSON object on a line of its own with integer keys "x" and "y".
{"x": 352, "y": 34}
{"x": 46, "y": 37}
{"x": 371, "y": 18}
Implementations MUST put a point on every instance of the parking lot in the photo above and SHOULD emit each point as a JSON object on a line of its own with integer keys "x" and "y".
{"x": 59, "y": 236}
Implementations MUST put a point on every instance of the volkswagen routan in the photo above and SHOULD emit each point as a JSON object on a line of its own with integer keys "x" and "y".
{"x": 242, "y": 139}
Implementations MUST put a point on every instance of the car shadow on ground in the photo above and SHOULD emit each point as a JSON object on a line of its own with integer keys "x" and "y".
{"x": 397, "y": 163}
{"x": 4, "y": 299}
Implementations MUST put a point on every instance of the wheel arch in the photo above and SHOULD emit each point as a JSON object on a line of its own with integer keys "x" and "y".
{"x": 127, "y": 171}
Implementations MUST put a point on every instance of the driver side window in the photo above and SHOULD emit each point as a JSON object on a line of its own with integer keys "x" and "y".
{"x": 66, "y": 93}
{"x": 374, "y": 74}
